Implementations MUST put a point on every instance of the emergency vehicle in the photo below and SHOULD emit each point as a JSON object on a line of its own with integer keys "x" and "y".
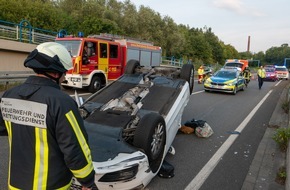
{"x": 239, "y": 63}
{"x": 100, "y": 58}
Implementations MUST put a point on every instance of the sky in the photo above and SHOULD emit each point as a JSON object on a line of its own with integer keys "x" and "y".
{"x": 265, "y": 22}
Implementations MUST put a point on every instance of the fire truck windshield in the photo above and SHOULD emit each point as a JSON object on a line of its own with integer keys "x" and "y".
{"x": 73, "y": 46}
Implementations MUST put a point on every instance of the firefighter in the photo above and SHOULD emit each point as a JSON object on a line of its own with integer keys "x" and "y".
{"x": 200, "y": 72}
{"x": 247, "y": 75}
{"x": 48, "y": 141}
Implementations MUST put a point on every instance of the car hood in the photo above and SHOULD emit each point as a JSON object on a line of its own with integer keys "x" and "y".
{"x": 121, "y": 161}
{"x": 221, "y": 80}
{"x": 106, "y": 142}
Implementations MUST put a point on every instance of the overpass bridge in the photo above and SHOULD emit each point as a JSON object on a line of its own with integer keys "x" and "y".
{"x": 13, "y": 54}
{"x": 17, "y": 41}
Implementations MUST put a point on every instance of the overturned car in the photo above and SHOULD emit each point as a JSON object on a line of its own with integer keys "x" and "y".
{"x": 132, "y": 122}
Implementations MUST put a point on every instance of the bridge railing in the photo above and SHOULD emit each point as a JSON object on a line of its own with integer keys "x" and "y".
{"x": 174, "y": 61}
{"x": 24, "y": 32}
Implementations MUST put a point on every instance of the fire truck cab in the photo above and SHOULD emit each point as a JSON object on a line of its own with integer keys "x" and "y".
{"x": 100, "y": 58}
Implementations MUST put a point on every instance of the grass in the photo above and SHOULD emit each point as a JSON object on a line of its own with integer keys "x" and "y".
{"x": 285, "y": 105}
{"x": 4, "y": 87}
{"x": 281, "y": 175}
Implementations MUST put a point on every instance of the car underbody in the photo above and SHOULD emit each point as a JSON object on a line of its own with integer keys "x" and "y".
{"x": 132, "y": 122}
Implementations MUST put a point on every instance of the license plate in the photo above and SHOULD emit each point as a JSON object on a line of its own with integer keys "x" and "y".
{"x": 75, "y": 79}
{"x": 217, "y": 86}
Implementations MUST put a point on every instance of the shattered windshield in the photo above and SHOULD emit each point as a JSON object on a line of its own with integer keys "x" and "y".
{"x": 73, "y": 46}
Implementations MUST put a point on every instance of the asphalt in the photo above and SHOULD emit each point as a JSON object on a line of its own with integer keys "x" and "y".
{"x": 269, "y": 158}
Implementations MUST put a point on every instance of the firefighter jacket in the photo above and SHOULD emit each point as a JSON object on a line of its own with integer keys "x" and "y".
{"x": 247, "y": 74}
{"x": 200, "y": 71}
{"x": 48, "y": 142}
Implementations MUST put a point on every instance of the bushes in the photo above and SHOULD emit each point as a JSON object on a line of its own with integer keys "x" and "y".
{"x": 282, "y": 137}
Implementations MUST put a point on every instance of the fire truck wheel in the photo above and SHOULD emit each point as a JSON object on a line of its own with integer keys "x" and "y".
{"x": 131, "y": 66}
{"x": 95, "y": 84}
{"x": 150, "y": 135}
{"x": 187, "y": 74}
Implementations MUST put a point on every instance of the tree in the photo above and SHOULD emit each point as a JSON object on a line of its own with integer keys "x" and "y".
{"x": 217, "y": 50}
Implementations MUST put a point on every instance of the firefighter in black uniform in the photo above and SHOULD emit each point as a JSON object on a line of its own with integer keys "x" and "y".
{"x": 247, "y": 75}
{"x": 48, "y": 141}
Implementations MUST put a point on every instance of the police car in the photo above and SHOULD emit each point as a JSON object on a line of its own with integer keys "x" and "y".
{"x": 229, "y": 80}
{"x": 132, "y": 122}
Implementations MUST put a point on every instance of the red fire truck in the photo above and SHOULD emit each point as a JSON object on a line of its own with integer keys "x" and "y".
{"x": 99, "y": 58}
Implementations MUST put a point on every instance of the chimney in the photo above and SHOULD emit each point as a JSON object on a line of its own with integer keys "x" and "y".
{"x": 249, "y": 42}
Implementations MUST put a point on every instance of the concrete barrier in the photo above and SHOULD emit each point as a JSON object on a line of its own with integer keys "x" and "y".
{"x": 13, "y": 54}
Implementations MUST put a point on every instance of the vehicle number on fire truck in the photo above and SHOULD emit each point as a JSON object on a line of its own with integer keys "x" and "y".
{"x": 75, "y": 79}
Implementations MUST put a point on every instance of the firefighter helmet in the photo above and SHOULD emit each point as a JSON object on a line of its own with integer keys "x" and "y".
{"x": 90, "y": 44}
{"x": 49, "y": 57}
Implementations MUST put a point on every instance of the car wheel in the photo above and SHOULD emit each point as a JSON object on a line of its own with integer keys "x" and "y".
{"x": 235, "y": 90}
{"x": 187, "y": 73}
{"x": 95, "y": 84}
{"x": 150, "y": 136}
{"x": 243, "y": 88}
{"x": 131, "y": 66}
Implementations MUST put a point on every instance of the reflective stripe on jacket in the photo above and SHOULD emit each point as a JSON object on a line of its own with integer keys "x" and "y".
{"x": 247, "y": 74}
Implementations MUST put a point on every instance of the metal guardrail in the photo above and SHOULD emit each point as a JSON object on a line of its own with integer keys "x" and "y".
{"x": 14, "y": 76}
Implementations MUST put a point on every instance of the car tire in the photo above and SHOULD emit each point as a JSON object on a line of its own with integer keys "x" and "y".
{"x": 187, "y": 73}
{"x": 243, "y": 88}
{"x": 95, "y": 84}
{"x": 131, "y": 66}
{"x": 150, "y": 136}
{"x": 235, "y": 90}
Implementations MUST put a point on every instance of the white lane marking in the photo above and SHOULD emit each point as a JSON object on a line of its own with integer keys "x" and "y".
{"x": 197, "y": 92}
{"x": 278, "y": 83}
{"x": 200, "y": 178}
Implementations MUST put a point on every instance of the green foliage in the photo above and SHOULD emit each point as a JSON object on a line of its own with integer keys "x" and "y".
{"x": 4, "y": 86}
{"x": 281, "y": 137}
{"x": 276, "y": 55}
{"x": 281, "y": 175}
